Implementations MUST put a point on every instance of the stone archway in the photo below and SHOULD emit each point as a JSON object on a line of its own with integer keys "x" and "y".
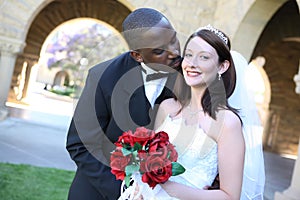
{"x": 55, "y": 13}
{"x": 282, "y": 61}
{"x": 267, "y": 33}
{"x": 253, "y": 24}
{"x": 61, "y": 78}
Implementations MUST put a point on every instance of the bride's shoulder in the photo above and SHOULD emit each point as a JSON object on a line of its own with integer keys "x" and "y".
{"x": 230, "y": 125}
{"x": 229, "y": 118}
{"x": 167, "y": 107}
{"x": 170, "y": 106}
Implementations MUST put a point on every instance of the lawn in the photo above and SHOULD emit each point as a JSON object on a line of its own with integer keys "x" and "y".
{"x": 25, "y": 182}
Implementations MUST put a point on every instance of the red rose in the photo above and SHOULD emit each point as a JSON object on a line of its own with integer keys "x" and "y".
{"x": 172, "y": 153}
{"x": 118, "y": 162}
{"x": 162, "y": 152}
{"x": 156, "y": 170}
{"x": 142, "y": 154}
{"x": 163, "y": 137}
{"x": 146, "y": 152}
{"x": 125, "y": 138}
{"x": 160, "y": 140}
{"x": 142, "y": 135}
{"x": 167, "y": 152}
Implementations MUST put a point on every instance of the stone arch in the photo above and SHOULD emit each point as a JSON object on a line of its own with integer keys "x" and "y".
{"x": 55, "y": 13}
{"x": 279, "y": 44}
{"x": 61, "y": 78}
{"x": 252, "y": 25}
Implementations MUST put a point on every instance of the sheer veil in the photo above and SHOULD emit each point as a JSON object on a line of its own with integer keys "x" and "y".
{"x": 243, "y": 99}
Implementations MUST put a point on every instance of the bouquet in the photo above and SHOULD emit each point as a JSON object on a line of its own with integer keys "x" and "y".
{"x": 146, "y": 152}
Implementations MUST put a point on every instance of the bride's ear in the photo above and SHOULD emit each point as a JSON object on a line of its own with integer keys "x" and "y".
{"x": 223, "y": 67}
{"x": 136, "y": 56}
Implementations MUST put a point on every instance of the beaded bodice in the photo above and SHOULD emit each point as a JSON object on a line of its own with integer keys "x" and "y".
{"x": 197, "y": 152}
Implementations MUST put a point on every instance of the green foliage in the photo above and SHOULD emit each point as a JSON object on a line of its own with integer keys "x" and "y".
{"x": 25, "y": 182}
{"x": 126, "y": 152}
{"x": 129, "y": 170}
{"x": 177, "y": 169}
{"x": 89, "y": 40}
{"x": 84, "y": 39}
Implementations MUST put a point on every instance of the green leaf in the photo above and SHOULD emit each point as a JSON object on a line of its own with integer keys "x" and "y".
{"x": 177, "y": 169}
{"x": 130, "y": 169}
{"x": 126, "y": 152}
{"x": 137, "y": 146}
{"x": 127, "y": 180}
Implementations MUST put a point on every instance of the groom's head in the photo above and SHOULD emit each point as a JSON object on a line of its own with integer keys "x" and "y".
{"x": 151, "y": 38}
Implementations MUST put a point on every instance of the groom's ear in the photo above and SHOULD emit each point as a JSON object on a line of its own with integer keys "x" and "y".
{"x": 223, "y": 67}
{"x": 136, "y": 56}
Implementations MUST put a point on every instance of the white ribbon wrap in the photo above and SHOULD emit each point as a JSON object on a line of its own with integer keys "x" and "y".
{"x": 140, "y": 188}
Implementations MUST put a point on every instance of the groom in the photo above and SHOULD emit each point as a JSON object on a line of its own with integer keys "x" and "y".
{"x": 120, "y": 95}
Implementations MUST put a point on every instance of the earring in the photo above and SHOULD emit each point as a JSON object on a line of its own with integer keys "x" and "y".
{"x": 219, "y": 76}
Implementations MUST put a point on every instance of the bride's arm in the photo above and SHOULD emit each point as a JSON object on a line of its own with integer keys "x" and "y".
{"x": 231, "y": 150}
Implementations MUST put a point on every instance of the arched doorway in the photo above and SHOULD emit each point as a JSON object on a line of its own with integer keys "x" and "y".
{"x": 61, "y": 79}
{"x": 55, "y": 13}
{"x": 279, "y": 46}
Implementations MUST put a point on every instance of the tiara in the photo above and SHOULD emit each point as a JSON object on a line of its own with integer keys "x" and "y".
{"x": 215, "y": 31}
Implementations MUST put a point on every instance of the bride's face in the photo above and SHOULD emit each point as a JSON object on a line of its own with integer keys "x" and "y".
{"x": 200, "y": 63}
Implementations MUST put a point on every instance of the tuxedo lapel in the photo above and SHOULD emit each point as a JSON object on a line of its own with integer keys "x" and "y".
{"x": 130, "y": 106}
{"x": 133, "y": 106}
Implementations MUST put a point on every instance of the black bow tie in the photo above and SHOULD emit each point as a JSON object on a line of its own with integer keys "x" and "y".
{"x": 156, "y": 76}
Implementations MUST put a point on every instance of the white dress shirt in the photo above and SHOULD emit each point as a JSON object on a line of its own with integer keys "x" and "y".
{"x": 153, "y": 88}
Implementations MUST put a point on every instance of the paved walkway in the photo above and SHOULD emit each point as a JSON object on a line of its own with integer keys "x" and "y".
{"x": 39, "y": 144}
{"x": 38, "y": 138}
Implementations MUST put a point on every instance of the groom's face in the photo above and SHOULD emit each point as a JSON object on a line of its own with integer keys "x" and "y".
{"x": 160, "y": 47}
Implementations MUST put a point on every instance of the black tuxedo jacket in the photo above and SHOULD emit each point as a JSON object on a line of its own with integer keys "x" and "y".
{"x": 113, "y": 101}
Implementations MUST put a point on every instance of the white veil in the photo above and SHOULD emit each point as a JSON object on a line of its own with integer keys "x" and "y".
{"x": 243, "y": 99}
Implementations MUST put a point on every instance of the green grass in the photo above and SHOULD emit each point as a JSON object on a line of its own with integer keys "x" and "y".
{"x": 25, "y": 182}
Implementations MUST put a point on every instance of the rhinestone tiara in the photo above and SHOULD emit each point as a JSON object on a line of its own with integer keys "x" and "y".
{"x": 215, "y": 31}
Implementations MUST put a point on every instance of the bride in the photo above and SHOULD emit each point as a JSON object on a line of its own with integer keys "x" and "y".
{"x": 211, "y": 136}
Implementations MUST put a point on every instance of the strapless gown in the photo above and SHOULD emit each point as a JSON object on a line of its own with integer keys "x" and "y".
{"x": 197, "y": 152}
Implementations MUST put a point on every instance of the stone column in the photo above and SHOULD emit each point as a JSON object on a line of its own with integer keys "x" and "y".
{"x": 31, "y": 61}
{"x": 8, "y": 53}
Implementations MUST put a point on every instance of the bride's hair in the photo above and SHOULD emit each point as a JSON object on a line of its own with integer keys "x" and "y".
{"x": 217, "y": 93}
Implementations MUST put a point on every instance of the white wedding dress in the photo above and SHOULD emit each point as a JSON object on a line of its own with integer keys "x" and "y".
{"x": 197, "y": 152}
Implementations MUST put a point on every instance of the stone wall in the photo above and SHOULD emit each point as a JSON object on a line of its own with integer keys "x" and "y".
{"x": 186, "y": 16}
